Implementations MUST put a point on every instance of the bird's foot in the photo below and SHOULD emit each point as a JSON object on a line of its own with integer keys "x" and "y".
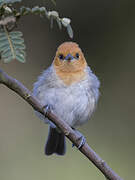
{"x": 81, "y": 139}
{"x": 47, "y": 108}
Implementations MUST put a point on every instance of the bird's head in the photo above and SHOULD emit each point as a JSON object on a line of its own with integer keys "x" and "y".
{"x": 69, "y": 63}
{"x": 69, "y": 58}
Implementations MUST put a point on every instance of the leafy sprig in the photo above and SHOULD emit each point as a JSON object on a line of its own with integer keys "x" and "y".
{"x": 11, "y": 42}
{"x": 12, "y": 46}
{"x": 3, "y": 2}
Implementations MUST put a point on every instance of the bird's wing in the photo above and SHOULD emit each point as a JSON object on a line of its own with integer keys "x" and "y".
{"x": 43, "y": 79}
{"x": 93, "y": 78}
{"x": 94, "y": 83}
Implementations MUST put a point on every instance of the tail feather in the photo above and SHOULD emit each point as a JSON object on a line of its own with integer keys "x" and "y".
{"x": 55, "y": 143}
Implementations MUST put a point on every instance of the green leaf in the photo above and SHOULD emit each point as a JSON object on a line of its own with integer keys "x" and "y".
{"x": 17, "y": 40}
{"x": 2, "y": 2}
{"x": 59, "y": 23}
{"x": 51, "y": 22}
{"x": 70, "y": 31}
{"x": 7, "y": 59}
{"x": 4, "y": 43}
{"x": 21, "y": 51}
{"x": 7, "y": 54}
{"x": 12, "y": 46}
{"x": 12, "y": 1}
{"x": 20, "y": 58}
{"x": 3, "y": 38}
{"x": 19, "y": 46}
{"x": 16, "y": 34}
{"x": 36, "y": 10}
{"x": 4, "y": 47}
{"x": 54, "y": 2}
{"x": 24, "y": 10}
{"x": 43, "y": 10}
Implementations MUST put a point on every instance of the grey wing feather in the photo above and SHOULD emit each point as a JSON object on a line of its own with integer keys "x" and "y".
{"x": 43, "y": 82}
{"x": 95, "y": 83}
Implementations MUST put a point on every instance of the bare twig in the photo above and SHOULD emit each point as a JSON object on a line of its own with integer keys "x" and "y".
{"x": 22, "y": 91}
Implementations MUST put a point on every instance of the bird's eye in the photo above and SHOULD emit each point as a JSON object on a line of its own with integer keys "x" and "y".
{"x": 61, "y": 56}
{"x": 77, "y": 55}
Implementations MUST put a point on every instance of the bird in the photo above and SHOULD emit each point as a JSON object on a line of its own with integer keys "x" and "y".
{"x": 70, "y": 89}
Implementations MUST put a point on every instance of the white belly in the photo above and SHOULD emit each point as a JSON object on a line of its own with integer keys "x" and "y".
{"x": 73, "y": 104}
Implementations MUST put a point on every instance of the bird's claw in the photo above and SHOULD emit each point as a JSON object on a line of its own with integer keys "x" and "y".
{"x": 81, "y": 139}
{"x": 47, "y": 108}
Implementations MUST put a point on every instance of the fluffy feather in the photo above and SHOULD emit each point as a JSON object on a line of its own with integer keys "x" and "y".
{"x": 69, "y": 87}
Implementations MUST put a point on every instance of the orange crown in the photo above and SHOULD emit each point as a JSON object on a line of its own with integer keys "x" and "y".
{"x": 69, "y": 63}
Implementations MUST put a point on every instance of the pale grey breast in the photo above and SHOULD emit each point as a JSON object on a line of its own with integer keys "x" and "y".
{"x": 73, "y": 104}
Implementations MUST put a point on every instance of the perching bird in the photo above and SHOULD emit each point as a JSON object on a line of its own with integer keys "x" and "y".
{"x": 70, "y": 88}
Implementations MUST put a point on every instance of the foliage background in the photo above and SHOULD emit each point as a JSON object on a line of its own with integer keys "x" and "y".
{"x": 105, "y": 31}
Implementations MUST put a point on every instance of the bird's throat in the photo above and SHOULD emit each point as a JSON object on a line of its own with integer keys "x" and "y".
{"x": 69, "y": 78}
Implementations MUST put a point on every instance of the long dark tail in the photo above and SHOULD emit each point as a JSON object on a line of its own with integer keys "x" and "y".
{"x": 55, "y": 143}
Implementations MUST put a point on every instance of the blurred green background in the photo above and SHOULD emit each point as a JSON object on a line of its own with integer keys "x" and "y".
{"x": 105, "y": 30}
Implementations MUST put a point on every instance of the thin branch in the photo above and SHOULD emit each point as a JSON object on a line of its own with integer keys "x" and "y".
{"x": 22, "y": 91}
